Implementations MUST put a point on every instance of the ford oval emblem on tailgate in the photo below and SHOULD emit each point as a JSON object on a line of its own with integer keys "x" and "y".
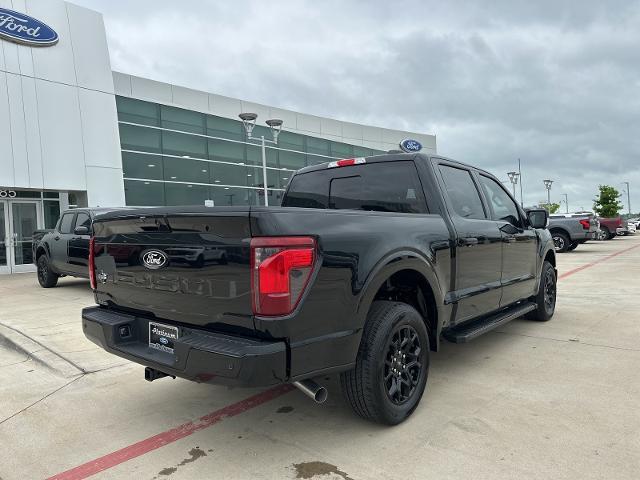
{"x": 154, "y": 259}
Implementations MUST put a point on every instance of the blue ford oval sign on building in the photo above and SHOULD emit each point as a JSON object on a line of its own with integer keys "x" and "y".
{"x": 410, "y": 146}
{"x": 20, "y": 28}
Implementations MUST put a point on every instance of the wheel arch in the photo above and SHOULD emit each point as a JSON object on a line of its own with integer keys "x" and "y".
{"x": 396, "y": 278}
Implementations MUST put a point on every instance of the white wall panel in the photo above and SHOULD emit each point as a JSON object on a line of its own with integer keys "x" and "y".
{"x": 6, "y": 158}
{"x": 352, "y": 131}
{"x": 18, "y": 131}
{"x": 287, "y": 116}
{"x": 61, "y": 135}
{"x": 32, "y": 127}
{"x": 90, "y": 50}
{"x": 190, "y": 99}
{"x": 224, "y": 106}
{"x": 53, "y": 63}
{"x": 371, "y": 134}
{"x": 251, "y": 107}
{"x": 11, "y": 58}
{"x": 308, "y": 123}
{"x": 329, "y": 126}
{"x": 122, "y": 84}
{"x": 100, "y": 135}
{"x": 105, "y": 187}
{"x": 144, "y": 88}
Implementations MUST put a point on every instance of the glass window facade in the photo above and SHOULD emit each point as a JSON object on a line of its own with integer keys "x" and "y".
{"x": 173, "y": 156}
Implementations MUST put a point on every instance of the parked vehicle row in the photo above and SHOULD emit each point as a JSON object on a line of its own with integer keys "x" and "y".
{"x": 367, "y": 264}
{"x": 571, "y": 229}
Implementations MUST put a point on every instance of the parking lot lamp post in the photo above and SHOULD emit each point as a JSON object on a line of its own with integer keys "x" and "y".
{"x": 275, "y": 125}
{"x": 547, "y": 185}
{"x": 566, "y": 201}
{"x": 628, "y": 197}
{"x": 513, "y": 178}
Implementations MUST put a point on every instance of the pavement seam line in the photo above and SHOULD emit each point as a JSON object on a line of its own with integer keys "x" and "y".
{"x": 40, "y": 399}
{"x": 577, "y": 342}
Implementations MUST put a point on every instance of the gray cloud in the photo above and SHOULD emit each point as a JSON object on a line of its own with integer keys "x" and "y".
{"x": 553, "y": 83}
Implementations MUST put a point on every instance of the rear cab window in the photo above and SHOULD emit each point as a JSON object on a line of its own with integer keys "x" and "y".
{"x": 380, "y": 187}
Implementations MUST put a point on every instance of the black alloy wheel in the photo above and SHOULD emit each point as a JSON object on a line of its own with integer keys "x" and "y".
{"x": 402, "y": 369}
{"x": 549, "y": 291}
{"x": 46, "y": 277}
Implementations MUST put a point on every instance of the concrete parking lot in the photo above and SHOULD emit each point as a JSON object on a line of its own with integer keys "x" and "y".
{"x": 530, "y": 400}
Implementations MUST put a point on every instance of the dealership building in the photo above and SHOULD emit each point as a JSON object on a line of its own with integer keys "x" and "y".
{"x": 75, "y": 133}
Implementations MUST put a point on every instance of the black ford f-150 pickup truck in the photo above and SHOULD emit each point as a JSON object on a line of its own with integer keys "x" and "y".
{"x": 362, "y": 270}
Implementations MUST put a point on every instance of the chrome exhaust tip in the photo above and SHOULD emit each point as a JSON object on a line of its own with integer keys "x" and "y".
{"x": 312, "y": 390}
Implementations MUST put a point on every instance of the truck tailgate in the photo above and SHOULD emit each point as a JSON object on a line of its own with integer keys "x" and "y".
{"x": 190, "y": 268}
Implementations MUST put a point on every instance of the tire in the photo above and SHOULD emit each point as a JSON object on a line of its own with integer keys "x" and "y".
{"x": 47, "y": 278}
{"x": 561, "y": 241}
{"x": 368, "y": 387}
{"x": 573, "y": 246}
{"x": 545, "y": 306}
{"x": 606, "y": 234}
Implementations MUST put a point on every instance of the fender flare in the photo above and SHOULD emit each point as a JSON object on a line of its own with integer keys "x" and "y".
{"x": 393, "y": 263}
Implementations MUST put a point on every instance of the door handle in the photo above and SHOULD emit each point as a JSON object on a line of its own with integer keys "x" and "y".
{"x": 468, "y": 241}
{"x": 509, "y": 239}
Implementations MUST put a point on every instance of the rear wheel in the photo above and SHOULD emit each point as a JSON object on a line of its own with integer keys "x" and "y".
{"x": 47, "y": 278}
{"x": 560, "y": 241}
{"x": 391, "y": 369}
{"x": 545, "y": 299}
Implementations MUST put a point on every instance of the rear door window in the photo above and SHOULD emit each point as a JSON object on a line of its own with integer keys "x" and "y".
{"x": 462, "y": 192}
{"x": 380, "y": 187}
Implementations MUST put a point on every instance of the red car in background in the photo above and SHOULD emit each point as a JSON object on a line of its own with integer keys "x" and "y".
{"x": 608, "y": 227}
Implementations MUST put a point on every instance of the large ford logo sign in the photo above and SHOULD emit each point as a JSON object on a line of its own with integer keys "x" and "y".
{"x": 154, "y": 259}
{"x": 20, "y": 28}
{"x": 410, "y": 146}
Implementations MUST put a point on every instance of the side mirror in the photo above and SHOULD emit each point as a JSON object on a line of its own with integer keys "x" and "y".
{"x": 538, "y": 217}
{"x": 81, "y": 231}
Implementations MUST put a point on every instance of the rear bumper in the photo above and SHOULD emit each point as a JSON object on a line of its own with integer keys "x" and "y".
{"x": 199, "y": 355}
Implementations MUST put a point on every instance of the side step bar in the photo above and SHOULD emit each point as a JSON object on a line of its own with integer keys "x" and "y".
{"x": 467, "y": 332}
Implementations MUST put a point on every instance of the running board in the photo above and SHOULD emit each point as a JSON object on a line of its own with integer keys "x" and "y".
{"x": 467, "y": 332}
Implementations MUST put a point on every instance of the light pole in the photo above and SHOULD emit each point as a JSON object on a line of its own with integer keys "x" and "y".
{"x": 275, "y": 125}
{"x": 547, "y": 185}
{"x": 628, "y": 197}
{"x": 566, "y": 201}
{"x": 513, "y": 178}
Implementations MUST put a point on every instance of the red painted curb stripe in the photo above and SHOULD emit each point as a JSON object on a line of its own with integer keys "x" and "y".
{"x": 152, "y": 443}
{"x": 589, "y": 265}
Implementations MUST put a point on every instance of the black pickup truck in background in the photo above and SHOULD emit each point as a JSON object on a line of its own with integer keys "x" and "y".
{"x": 361, "y": 271}
{"x": 64, "y": 250}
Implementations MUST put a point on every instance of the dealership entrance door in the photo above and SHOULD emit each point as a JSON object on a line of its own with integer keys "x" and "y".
{"x": 18, "y": 220}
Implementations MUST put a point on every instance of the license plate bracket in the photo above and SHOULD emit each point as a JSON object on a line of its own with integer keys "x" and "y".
{"x": 162, "y": 337}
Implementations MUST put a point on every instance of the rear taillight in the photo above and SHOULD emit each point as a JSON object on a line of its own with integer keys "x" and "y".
{"x": 280, "y": 271}
{"x": 585, "y": 224}
{"x": 92, "y": 262}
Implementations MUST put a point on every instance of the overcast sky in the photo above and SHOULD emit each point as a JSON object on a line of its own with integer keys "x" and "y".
{"x": 554, "y": 83}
